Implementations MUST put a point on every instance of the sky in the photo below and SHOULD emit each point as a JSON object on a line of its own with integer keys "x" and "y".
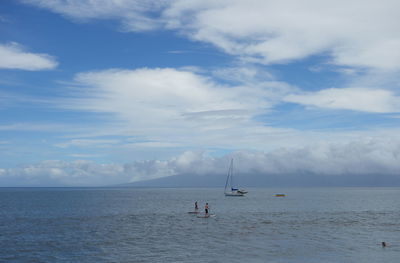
{"x": 104, "y": 92}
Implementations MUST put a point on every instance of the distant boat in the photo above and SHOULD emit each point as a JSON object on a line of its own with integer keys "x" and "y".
{"x": 280, "y": 195}
{"x": 230, "y": 189}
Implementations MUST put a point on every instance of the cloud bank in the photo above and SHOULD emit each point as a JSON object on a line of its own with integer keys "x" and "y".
{"x": 13, "y": 56}
{"x": 356, "y": 159}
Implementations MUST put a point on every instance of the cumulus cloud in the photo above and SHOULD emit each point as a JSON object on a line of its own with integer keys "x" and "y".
{"x": 13, "y": 56}
{"x": 357, "y": 158}
{"x": 356, "y": 34}
{"x": 358, "y": 99}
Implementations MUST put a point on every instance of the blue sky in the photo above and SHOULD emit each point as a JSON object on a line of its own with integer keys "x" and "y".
{"x": 103, "y": 92}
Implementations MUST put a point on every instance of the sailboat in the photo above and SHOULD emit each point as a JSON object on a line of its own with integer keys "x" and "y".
{"x": 230, "y": 190}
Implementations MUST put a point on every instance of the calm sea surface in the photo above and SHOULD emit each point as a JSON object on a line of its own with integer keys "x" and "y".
{"x": 152, "y": 225}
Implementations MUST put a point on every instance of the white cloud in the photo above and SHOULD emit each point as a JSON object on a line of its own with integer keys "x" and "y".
{"x": 358, "y": 33}
{"x": 84, "y": 156}
{"x": 41, "y": 127}
{"x": 87, "y": 143}
{"x": 153, "y": 145}
{"x": 13, "y": 56}
{"x": 176, "y": 107}
{"x": 280, "y": 31}
{"x": 358, "y": 99}
{"x": 61, "y": 173}
{"x": 361, "y": 41}
{"x": 169, "y": 109}
{"x": 135, "y": 15}
{"x": 356, "y": 158}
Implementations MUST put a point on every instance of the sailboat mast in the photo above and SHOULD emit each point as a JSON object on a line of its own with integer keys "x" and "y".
{"x": 229, "y": 177}
{"x": 231, "y": 173}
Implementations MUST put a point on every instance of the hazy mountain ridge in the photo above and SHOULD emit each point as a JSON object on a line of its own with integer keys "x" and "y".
{"x": 257, "y": 180}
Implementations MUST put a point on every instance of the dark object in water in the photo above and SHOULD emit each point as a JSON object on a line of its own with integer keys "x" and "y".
{"x": 280, "y": 195}
{"x": 383, "y": 244}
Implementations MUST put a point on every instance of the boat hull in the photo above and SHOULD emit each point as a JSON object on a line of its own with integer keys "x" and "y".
{"x": 233, "y": 194}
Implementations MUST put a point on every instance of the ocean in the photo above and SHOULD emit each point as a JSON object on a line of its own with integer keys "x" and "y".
{"x": 153, "y": 225}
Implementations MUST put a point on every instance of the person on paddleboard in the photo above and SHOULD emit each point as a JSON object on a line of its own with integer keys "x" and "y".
{"x": 206, "y": 209}
{"x": 195, "y": 206}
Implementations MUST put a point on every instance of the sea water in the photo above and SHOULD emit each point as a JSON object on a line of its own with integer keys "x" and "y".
{"x": 153, "y": 225}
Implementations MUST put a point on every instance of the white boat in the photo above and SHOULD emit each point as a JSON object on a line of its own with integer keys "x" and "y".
{"x": 230, "y": 190}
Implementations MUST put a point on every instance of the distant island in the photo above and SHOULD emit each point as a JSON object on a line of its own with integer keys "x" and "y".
{"x": 262, "y": 180}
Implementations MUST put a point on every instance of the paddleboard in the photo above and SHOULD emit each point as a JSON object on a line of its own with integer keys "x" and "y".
{"x": 194, "y": 212}
{"x": 206, "y": 216}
